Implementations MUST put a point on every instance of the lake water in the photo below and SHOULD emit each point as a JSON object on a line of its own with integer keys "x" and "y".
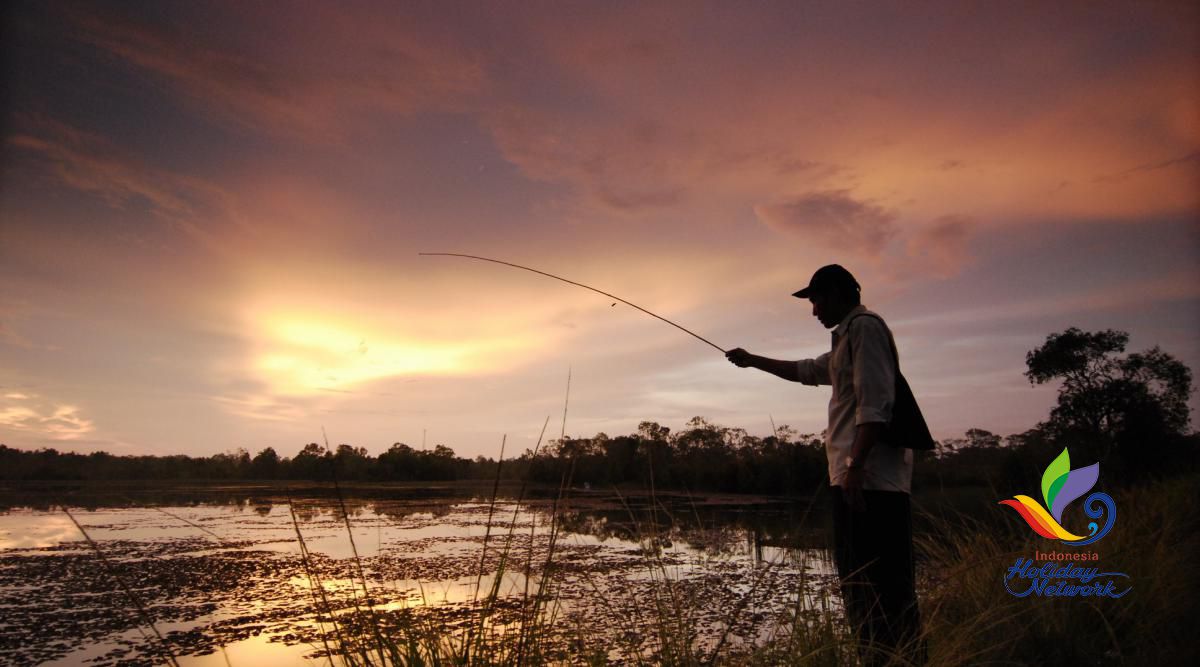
{"x": 221, "y": 573}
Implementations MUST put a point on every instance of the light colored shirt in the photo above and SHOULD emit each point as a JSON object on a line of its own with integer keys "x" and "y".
{"x": 864, "y": 391}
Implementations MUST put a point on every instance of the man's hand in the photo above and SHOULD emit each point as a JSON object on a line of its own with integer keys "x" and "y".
{"x": 852, "y": 488}
{"x": 743, "y": 359}
{"x": 739, "y": 357}
{"x": 865, "y": 437}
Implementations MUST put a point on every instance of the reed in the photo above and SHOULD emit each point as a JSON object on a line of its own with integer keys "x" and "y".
{"x": 531, "y": 626}
{"x": 134, "y": 600}
{"x": 315, "y": 587}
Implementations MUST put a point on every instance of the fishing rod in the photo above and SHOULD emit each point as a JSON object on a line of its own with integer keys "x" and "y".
{"x": 572, "y": 282}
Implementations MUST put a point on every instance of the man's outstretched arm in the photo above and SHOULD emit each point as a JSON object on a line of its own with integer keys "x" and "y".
{"x": 807, "y": 371}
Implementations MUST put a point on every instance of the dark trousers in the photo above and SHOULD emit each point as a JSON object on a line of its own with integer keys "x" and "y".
{"x": 874, "y": 556}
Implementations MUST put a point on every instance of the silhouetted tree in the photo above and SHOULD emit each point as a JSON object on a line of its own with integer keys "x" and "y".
{"x": 233, "y": 464}
{"x": 1109, "y": 405}
{"x": 977, "y": 437}
{"x": 351, "y": 462}
{"x": 398, "y": 463}
{"x": 311, "y": 463}
{"x": 440, "y": 463}
{"x": 265, "y": 464}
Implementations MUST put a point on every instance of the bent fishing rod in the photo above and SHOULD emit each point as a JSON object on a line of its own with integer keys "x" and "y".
{"x": 577, "y": 284}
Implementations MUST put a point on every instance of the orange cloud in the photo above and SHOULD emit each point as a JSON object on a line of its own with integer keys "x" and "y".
{"x": 1030, "y": 111}
{"x": 642, "y": 110}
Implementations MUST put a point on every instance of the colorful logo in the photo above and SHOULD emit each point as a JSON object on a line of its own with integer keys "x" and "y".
{"x": 1061, "y": 486}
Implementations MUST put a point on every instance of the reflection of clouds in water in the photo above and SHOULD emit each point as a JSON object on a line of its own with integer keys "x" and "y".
{"x": 36, "y": 531}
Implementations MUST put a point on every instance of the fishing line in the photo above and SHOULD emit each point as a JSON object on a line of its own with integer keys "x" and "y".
{"x": 572, "y": 282}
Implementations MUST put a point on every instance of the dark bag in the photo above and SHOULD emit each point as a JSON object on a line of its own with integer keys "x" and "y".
{"x": 908, "y": 427}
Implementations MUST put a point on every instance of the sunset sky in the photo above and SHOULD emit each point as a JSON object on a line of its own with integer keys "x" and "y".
{"x": 210, "y": 212}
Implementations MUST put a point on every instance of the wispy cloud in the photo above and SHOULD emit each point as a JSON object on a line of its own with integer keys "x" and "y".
{"x": 264, "y": 407}
{"x": 833, "y": 219}
{"x": 1182, "y": 161}
{"x": 1181, "y": 286}
{"x": 323, "y": 70}
{"x": 94, "y": 164}
{"x": 845, "y": 226}
{"x": 9, "y": 336}
{"x": 44, "y": 419}
{"x": 940, "y": 248}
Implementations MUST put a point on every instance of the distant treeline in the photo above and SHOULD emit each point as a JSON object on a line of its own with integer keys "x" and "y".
{"x": 701, "y": 457}
{"x": 1128, "y": 413}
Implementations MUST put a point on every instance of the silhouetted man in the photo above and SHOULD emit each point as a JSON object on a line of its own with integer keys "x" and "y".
{"x": 870, "y": 480}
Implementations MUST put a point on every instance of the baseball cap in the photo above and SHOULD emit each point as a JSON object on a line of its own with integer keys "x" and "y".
{"x": 827, "y": 278}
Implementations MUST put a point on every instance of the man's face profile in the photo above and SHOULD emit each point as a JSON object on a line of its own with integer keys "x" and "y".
{"x": 820, "y": 309}
{"x": 829, "y": 307}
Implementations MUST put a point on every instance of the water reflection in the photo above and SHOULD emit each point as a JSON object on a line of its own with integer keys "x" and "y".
{"x": 222, "y": 567}
{"x": 260, "y": 651}
{"x": 36, "y": 531}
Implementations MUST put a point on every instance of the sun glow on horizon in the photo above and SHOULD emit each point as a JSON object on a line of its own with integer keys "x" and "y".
{"x": 307, "y": 355}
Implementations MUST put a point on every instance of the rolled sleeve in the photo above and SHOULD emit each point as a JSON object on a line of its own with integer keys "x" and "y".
{"x": 813, "y": 371}
{"x": 874, "y": 372}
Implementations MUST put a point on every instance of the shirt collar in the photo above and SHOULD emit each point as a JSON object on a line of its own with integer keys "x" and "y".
{"x": 840, "y": 329}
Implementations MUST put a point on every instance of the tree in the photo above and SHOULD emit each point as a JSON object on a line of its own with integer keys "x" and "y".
{"x": 399, "y": 462}
{"x": 653, "y": 432}
{"x": 265, "y": 465}
{"x": 351, "y": 462}
{"x": 440, "y": 463}
{"x": 313, "y": 462}
{"x": 232, "y": 464}
{"x": 1108, "y": 403}
{"x": 977, "y": 437}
